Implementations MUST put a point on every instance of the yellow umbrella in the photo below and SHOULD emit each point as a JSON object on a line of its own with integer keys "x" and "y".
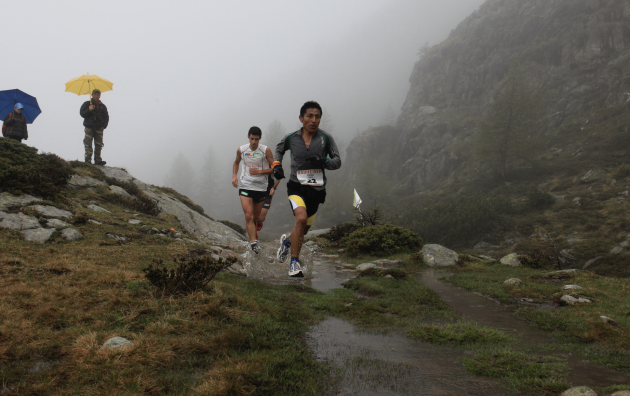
{"x": 86, "y": 83}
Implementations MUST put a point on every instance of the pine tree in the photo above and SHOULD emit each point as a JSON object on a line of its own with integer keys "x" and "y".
{"x": 506, "y": 133}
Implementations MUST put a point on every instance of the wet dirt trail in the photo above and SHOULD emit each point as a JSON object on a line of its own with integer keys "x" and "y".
{"x": 374, "y": 364}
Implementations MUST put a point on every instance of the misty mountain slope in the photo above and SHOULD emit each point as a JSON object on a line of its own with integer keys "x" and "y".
{"x": 576, "y": 52}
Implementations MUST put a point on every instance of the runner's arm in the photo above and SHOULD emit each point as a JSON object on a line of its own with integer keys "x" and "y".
{"x": 334, "y": 160}
{"x": 237, "y": 161}
{"x": 269, "y": 171}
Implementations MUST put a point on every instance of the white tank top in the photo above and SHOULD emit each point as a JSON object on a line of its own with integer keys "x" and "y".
{"x": 253, "y": 159}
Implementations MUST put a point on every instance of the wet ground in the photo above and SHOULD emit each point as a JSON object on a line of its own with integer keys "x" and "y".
{"x": 370, "y": 364}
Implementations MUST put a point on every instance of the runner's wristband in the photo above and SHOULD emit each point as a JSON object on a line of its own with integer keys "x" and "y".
{"x": 275, "y": 163}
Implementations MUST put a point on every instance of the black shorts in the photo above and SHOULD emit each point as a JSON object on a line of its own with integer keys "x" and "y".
{"x": 267, "y": 204}
{"x": 311, "y": 199}
{"x": 257, "y": 196}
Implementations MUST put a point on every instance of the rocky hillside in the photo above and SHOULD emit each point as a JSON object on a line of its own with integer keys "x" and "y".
{"x": 94, "y": 210}
{"x": 575, "y": 51}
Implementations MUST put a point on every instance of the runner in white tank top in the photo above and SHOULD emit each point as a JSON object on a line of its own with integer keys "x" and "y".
{"x": 256, "y": 162}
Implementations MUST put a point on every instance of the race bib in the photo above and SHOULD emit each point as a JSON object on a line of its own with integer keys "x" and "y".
{"x": 311, "y": 177}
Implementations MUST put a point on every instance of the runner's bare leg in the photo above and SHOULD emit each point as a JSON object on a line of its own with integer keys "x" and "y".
{"x": 248, "y": 209}
{"x": 299, "y": 230}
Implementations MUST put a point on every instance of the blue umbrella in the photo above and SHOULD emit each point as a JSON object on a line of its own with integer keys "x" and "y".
{"x": 9, "y": 98}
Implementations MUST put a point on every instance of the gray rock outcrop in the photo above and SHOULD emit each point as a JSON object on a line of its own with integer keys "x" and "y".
{"x": 591, "y": 262}
{"x": 97, "y": 208}
{"x": 438, "y": 256}
{"x": 511, "y": 259}
{"x": 8, "y": 200}
{"x": 119, "y": 191}
{"x": 18, "y": 221}
{"x": 77, "y": 182}
{"x": 593, "y": 176}
{"x": 71, "y": 234}
{"x": 51, "y": 211}
{"x": 315, "y": 233}
{"x": 40, "y": 235}
{"x": 570, "y": 300}
{"x": 56, "y": 223}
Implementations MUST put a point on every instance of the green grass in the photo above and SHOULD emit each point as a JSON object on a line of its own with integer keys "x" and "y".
{"x": 463, "y": 333}
{"x": 525, "y": 373}
{"x": 578, "y": 328}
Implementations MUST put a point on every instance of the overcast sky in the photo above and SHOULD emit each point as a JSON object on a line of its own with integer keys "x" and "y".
{"x": 188, "y": 74}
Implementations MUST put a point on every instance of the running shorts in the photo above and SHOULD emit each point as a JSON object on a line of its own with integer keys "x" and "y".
{"x": 267, "y": 204}
{"x": 257, "y": 196}
{"x": 305, "y": 197}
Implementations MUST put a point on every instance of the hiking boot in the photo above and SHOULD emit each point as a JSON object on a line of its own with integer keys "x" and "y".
{"x": 255, "y": 247}
{"x": 284, "y": 249}
{"x": 295, "y": 271}
{"x": 100, "y": 162}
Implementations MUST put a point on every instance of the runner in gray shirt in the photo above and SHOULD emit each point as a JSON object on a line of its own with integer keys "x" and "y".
{"x": 312, "y": 152}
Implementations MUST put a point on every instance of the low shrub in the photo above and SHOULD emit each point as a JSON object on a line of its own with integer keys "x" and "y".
{"x": 234, "y": 226}
{"x": 341, "y": 230}
{"x": 539, "y": 260}
{"x": 23, "y": 171}
{"x": 381, "y": 240}
{"x": 537, "y": 199}
{"x": 188, "y": 276}
{"x": 368, "y": 217}
{"x": 458, "y": 220}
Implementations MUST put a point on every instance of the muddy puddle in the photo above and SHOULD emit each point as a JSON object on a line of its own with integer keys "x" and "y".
{"x": 374, "y": 364}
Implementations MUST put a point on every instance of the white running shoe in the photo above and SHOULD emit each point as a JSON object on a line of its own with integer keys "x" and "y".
{"x": 255, "y": 247}
{"x": 284, "y": 249}
{"x": 295, "y": 271}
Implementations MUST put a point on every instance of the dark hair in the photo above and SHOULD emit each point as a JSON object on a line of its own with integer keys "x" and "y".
{"x": 311, "y": 104}
{"x": 254, "y": 131}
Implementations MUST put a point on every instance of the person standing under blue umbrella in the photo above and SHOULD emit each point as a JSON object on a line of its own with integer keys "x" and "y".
{"x": 14, "y": 126}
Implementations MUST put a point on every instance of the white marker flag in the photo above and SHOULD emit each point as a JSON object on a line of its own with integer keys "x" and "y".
{"x": 357, "y": 199}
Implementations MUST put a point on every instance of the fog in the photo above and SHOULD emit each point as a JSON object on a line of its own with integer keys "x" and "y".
{"x": 188, "y": 74}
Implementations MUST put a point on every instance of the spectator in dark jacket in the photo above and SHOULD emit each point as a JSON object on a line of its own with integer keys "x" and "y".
{"x": 95, "y": 121}
{"x": 15, "y": 124}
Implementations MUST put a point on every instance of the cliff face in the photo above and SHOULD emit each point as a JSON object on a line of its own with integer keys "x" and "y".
{"x": 576, "y": 51}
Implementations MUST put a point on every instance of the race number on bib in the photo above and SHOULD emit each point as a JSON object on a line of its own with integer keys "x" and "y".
{"x": 311, "y": 177}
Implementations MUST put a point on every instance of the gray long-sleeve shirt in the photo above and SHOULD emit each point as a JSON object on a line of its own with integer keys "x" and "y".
{"x": 322, "y": 144}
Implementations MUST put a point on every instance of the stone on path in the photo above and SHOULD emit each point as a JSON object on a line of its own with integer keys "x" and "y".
{"x": 71, "y": 234}
{"x": 51, "y": 211}
{"x": 387, "y": 263}
{"x": 579, "y": 391}
{"x": 570, "y": 300}
{"x": 571, "y": 287}
{"x": 116, "y": 342}
{"x": 77, "y": 181}
{"x": 119, "y": 191}
{"x": 97, "y": 208}
{"x": 134, "y": 221}
{"x": 40, "y": 235}
{"x": 8, "y": 200}
{"x": 513, "y": 282}
{"x": 511, "y": 259}
{"x": 438, "y": 256}
{"x": 364, "y": 266}
{"x": 56, "y": 223}
{"x": 18, "y": 221}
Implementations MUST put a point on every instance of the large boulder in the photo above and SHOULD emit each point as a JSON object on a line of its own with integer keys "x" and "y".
{"x": 51, "y": 211}
{"x": 18, "y": 221}
{"x": 40, "y": 235}
{"x": 77, "y": 181}
{"x": 8, "y": 200}
{"x": 438, "y": 256}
